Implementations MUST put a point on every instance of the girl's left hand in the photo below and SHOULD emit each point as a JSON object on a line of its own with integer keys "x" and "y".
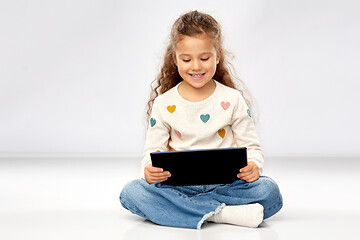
{"x": 250, "y": 173}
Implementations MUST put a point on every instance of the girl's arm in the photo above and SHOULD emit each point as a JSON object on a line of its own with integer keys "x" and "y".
{"x": 245, "y": 135}
{"x": 157, "y": 138}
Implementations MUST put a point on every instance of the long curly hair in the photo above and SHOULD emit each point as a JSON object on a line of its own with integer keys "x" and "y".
{"x": 192, "y": 24}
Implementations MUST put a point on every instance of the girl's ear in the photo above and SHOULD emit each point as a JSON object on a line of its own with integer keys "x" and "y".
{"x": 218, "y": 55}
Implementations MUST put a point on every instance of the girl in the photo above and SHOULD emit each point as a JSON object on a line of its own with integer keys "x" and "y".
{"x": 195, "y": 106}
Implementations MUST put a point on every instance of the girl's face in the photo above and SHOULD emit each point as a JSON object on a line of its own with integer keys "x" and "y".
{"x": 196, "y": 59}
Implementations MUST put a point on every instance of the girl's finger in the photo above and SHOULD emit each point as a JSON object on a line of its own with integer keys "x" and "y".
{"x": 156, "y": 175}
{"x": 155, "y": 170}
{"x": 248, "y": 168}
{"x": 253, "y": 179}
{"x": 154, "y": 180}
{"x": 160, "y": 176}
{"x": 246, "y": 177}
{"x": 244, "y": 174}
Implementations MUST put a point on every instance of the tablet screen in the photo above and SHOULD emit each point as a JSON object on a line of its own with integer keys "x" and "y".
{"x": 201, "y": 167}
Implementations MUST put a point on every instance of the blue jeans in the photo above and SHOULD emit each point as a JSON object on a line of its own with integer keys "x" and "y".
{"x": 190, "y": 206}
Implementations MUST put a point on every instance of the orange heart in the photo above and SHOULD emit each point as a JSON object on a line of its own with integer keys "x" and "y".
{"x": 221, "y": 133}
{"x": 171, "y": 109}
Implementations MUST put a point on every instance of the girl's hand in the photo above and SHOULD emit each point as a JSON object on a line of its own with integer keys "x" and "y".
{"x": 154, "y": 174}
{"x": 250, "y": 173}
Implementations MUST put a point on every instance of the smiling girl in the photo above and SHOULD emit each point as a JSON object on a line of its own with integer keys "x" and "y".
{"x": 195, "y": 105}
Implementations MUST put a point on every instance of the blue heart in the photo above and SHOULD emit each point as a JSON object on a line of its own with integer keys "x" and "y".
{"x": 152, "y": 122}
{"x": 249, "y": 113}
{"x": 205, "y": 117}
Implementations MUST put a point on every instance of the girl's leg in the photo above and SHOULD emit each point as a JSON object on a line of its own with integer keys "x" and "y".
{"x": 190, "y": 206}
{"x": 263, "y": 191}
{"x": 166, "y": 205}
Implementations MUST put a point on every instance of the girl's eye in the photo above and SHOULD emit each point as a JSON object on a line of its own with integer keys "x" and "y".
{"x": 186, "y": 60}
{"x": 204, "y": 59}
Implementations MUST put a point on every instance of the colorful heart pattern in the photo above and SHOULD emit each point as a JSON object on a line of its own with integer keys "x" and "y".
{"x": 171, "y": 109}
{"x": 248, "y": 112}
{"x": 152, "y": 122}
{"x": 177, "y": 133}
{"x": 204, "y": 117}
{"x": 225, "y": 105}
{"x": 222, "y": 133}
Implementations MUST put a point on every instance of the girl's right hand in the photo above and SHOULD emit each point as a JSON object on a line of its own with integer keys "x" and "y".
{"x": 154, "y": 174}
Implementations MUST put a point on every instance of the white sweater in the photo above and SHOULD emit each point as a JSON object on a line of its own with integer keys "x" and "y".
{"x": 222, "y": 120}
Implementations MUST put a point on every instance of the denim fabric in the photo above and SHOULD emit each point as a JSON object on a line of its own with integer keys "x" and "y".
{"x": 190, "y": 206}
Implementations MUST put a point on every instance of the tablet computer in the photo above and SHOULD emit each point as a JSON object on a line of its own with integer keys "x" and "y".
{"x": 201, "y": 167}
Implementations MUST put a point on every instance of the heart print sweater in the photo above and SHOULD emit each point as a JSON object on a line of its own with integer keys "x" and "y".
{"x": 222, "y": 120}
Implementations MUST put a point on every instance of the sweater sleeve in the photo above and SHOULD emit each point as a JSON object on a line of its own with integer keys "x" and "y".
{"x": 245, "y": 133}
{"x": 157, "y": 136}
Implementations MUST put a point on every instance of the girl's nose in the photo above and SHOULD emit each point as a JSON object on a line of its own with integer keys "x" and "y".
{"x": 195, "y": 65}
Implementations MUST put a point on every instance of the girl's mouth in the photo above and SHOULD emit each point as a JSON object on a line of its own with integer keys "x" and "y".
{"x": 197, "y": 76}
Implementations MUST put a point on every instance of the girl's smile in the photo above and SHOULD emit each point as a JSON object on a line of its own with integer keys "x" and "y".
{"x": 197, "y": 76}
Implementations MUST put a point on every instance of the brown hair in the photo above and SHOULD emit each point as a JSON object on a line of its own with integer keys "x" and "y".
{"x": 191, "y": 24}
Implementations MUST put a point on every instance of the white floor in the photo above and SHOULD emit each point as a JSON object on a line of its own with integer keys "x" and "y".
{"x": 78, "y": 199}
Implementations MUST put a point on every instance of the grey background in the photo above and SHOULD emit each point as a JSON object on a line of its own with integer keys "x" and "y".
{"x": 75, "y": 75}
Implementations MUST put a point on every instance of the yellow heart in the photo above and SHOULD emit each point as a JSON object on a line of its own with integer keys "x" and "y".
{"x": 221, "y": 133}
{"x": 171, "y": 109}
